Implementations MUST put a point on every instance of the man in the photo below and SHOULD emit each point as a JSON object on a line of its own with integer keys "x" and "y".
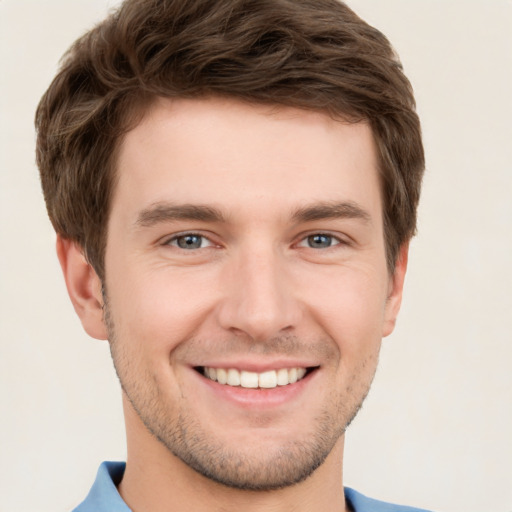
{"x": 233, "y": 184}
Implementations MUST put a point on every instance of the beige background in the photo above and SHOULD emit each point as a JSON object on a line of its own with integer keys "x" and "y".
{"x": 435, "y": 431}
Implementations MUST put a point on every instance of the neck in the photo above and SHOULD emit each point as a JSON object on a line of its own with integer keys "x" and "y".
{"x": 158, "y": 481}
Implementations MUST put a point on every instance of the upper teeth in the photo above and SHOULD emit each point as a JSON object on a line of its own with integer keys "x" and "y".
{"x": 268, "y": 379}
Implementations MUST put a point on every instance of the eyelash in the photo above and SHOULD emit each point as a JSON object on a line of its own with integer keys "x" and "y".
{"x": 174, "y": 241}
{"x": 332, "y": 239}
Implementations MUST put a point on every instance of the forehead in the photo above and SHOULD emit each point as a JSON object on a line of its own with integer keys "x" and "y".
{"x": 244, "y": 157}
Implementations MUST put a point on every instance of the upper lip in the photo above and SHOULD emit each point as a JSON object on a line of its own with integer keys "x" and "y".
{"x": 258, "y": 366}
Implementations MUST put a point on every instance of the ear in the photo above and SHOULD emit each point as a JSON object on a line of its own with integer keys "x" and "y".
{"x": 84, "y": 287}
{"x": 396, "y": 287}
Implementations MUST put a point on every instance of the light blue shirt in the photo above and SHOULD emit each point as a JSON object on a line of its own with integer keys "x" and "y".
{"x": 103, "y": 496}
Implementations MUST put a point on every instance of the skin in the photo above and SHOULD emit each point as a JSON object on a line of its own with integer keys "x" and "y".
{"x": 254, "y": 184}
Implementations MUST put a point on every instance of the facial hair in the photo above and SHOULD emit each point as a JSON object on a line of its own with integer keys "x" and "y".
{"x": 253, "y": 466}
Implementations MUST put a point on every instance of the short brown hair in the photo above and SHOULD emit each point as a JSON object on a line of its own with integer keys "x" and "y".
{"x": 311, "y": 54}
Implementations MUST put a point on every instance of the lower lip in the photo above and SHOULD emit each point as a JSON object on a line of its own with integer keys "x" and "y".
{"x": 260, "y": 397}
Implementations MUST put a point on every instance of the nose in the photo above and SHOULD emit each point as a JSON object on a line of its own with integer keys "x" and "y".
{"x": 259, "y": 298}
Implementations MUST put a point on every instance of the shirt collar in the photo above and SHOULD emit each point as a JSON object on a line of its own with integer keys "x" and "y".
{"x": 103, "y": 496}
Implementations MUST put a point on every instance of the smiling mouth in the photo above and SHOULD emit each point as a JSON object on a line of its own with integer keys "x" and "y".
{"x": 254, "y": 380}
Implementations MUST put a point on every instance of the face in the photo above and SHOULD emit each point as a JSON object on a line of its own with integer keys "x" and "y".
{"x": 247, "y": 291}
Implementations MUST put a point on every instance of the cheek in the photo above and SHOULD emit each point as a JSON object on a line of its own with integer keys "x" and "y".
{"x": 156, "y": 310}
{"x": 351, "y": 308}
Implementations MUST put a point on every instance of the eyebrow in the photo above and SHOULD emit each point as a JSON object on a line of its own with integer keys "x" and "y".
{"x": 321, "y": 211}
{"x": 165, "y": 212}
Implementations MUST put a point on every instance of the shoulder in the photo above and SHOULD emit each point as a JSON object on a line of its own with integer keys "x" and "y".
{"x": 360, "y": 503}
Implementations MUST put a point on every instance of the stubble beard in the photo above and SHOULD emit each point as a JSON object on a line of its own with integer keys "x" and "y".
{"x": 254, "y": 469}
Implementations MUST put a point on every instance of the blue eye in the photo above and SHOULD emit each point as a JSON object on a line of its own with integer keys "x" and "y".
{"x": 190, "y": 241}
{"x": 321, "y": 241}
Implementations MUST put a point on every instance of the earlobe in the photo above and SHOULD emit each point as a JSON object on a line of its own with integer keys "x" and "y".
{"x": 84, "y": 287}
{"x": 396, "y": 287}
